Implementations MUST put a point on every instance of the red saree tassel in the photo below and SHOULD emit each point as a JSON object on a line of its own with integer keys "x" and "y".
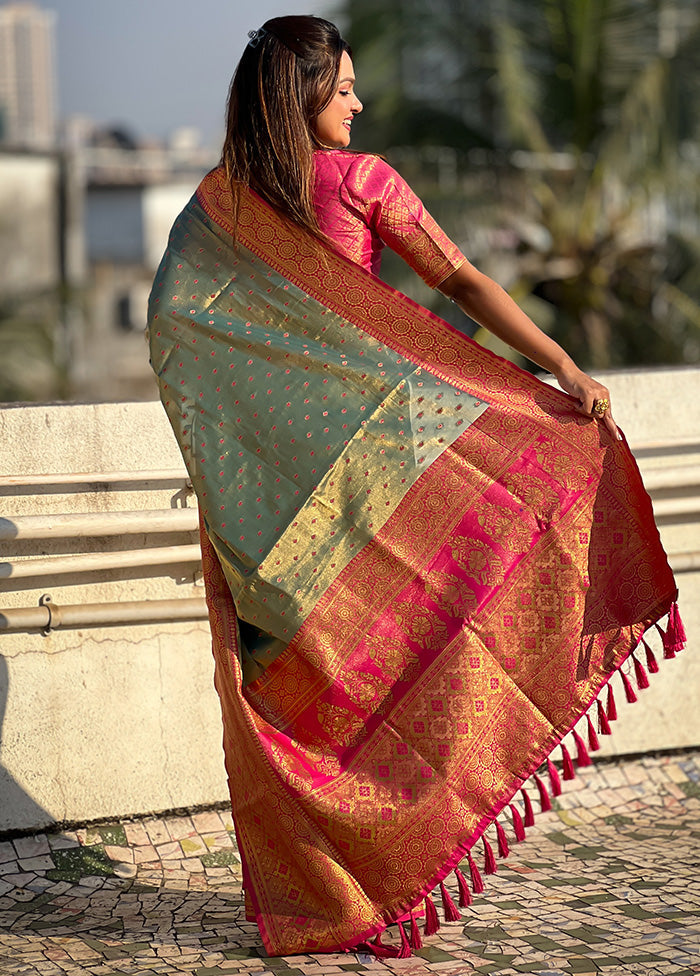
{"x": 529, "y": 814}
{"x": 652, "y": 663}
{"x": 477, "y": 882}
{"x": 415, "y": 939}
{"x": 518, "y": 825}
{"x": 503, "y": 848}
{"x": 676, "y": 630}
{"x": 611, "y": 707}
{"x": 668, "y": 650}
{"x": 465, "y": 895}
{"x": 554, "y": 781}
{"x": 675, "y": 637}
{"x": 376, "y": 948}
{"x": 582, "y": 757}
{"x": 629, "y": 690}
{"x": 567, "y": 764}
{"x": 405, "y": 950}
{"x": 593, "y": 743}
{"x": 490, "y": 866}
{"x": 545, "y": 802}
{"x": 432, "y": 922}
{"x": 603, "y": 724}
{"x": 640, "y": 674}
{"x": 449, "y": 909}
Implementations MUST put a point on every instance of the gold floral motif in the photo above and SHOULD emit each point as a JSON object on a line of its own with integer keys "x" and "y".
{"x": 421, "y": 626}
{"x": 340, "y": 724}
{"x": 505, "y": 527}
{"x": 451, "y": 593}
{"x": 478, "y": 560}
{"x": 560, "y": 464}
{"x": 365, "y": 690}
{"x": 532, "y": 491}
{"x": 390, "y": 656}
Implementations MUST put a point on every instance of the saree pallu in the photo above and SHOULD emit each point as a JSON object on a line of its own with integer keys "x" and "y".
{"x": 422, "y": 565}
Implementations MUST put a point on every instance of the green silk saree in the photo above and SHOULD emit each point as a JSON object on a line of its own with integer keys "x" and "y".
{"x": 423, "y": 567}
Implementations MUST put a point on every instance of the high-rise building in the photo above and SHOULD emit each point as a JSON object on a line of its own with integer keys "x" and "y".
{"x": 27, "y": 80}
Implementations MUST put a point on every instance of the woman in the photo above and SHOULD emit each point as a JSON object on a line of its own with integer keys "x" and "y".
{"x": 423, "y": 565}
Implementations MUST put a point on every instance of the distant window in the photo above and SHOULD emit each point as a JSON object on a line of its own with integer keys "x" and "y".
{"x": 124, "y": 319}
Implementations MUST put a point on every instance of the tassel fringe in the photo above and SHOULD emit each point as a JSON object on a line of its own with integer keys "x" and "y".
{"x": 593, "y": 743}
{"x": 640, "y": 674}
{"x": 414, "y": 939}
{"x": 490, "y": 866}
{"x": 518, "y": 826}
{"x": 449, "y": 909}
{"x": 477, "y": 881}
{"x": 405, "y": 950}
{"x": 554, "y": 781}
{"x": 611, "y": 709}
{"x": 432, "y": 922}
{"x": 603, "y": 724}
{"x": 545, "y": 802}
{"x": 668, "y": 651}
{"x": 582, "y": 757}
{"x": 567, "y": 765}
{"x": 529, "y": 813}
{"x": 375, "y": 948}
{"x": 629, "y": 690}
{"x": 503, "y": 849}
{"x": 465, "y": 895}
{"x": 675, "y": 637}
{"x": 652, "y": 663}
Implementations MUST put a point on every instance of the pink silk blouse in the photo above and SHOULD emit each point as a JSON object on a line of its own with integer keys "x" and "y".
{"x": 363, "y": 204}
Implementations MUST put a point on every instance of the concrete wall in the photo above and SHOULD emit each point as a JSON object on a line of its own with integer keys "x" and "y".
{"x": 100, "y": 721}
{"x": 112, "y": 720}
{"x": 659, "y": 412}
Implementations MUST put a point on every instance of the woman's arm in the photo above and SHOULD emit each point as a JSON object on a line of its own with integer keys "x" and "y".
{"x": 489, "y": 305}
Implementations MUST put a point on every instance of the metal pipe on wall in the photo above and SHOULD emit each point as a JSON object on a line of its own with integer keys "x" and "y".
{"x": 49, "y": 616}
{"x": 94, "y": 478}
{"x": 92, "y": 524}
{"x": 96, "y": 561}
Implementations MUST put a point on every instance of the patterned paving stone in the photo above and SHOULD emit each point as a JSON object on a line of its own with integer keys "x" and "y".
{"x": 613, "y": 894}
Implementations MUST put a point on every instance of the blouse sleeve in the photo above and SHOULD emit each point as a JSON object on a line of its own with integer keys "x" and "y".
{"x": 394, "y": 212}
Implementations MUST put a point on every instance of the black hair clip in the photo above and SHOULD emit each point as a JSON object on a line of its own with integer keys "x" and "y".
{"x": 256, "y": 36}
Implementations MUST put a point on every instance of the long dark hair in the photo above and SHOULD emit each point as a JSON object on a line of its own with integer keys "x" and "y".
{"x": 285, "y": 78}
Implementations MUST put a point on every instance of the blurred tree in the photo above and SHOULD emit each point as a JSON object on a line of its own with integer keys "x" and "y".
{"x": 30, "y": 365}
{"x": 569, "y": 128}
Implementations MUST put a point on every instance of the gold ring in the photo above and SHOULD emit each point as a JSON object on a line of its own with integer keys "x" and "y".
{"x": 601, "y": 406}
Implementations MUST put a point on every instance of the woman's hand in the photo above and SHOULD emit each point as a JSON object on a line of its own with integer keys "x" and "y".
{"x": 590, "y": 394}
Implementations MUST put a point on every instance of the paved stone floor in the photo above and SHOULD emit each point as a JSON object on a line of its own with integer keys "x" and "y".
{"x": 606, "y": 882}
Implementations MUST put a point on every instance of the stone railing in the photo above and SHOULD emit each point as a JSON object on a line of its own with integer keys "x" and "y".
{"x": 106, "y": 700}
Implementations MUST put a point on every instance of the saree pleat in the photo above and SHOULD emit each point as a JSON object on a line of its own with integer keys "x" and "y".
{"x": 413, "y": 598}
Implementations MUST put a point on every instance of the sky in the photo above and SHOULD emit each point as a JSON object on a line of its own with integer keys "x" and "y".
{"x": 152, "y": 66}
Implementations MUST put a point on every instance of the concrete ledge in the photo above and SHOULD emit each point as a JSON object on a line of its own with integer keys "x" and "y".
{"x": 103, "y": 721}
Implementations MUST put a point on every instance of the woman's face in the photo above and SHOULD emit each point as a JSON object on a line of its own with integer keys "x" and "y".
{"x": 332, "y": 125}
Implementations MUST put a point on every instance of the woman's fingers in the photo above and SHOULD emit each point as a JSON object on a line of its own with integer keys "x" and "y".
{"x": 594, "y": 400}
{"x": 611, "y": 425}
{"x": 600, "y": 411}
